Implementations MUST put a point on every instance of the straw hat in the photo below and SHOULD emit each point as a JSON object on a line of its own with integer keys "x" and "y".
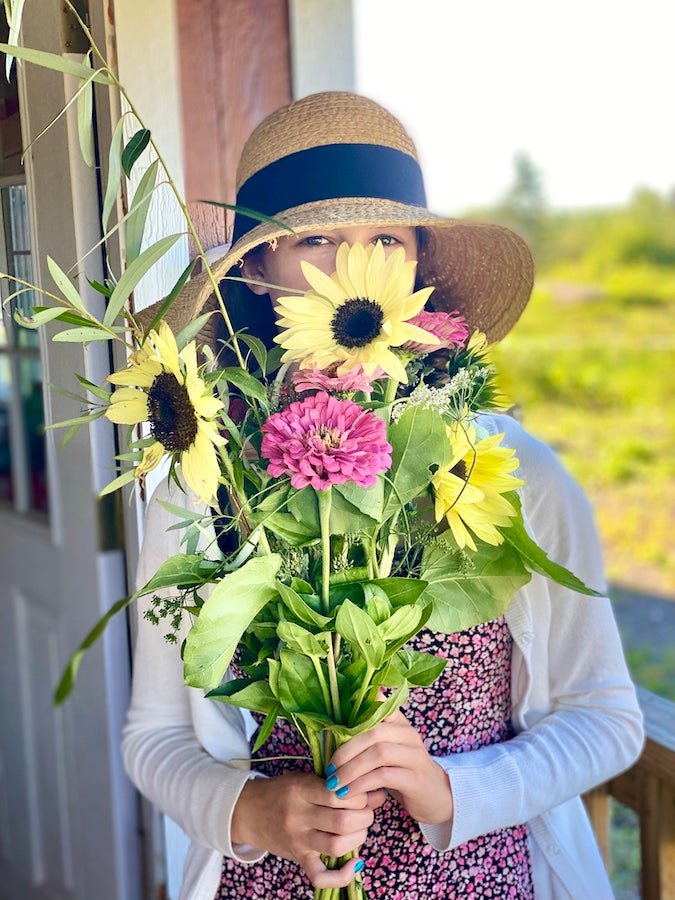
{"x": 339, "y": 159}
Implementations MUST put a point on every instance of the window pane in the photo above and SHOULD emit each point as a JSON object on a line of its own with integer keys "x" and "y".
{"x": 17, "y": 244}
{"x": 30, "y": 377}
{"x": 6, "y": 491}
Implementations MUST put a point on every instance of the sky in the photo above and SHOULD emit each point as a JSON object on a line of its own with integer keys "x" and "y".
{"x": 583, "y": 87}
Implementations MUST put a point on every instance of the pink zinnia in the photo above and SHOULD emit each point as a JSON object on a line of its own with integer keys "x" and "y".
{"x": 324, "y": 441}
{"x": 315, "y": 379}
{"x": 450, "y": 329}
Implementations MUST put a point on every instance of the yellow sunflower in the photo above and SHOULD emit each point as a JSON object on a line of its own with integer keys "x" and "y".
{"x": 355, "y": 316}
{"x": 162, "y": 386}
{"x": 469, "y": 491}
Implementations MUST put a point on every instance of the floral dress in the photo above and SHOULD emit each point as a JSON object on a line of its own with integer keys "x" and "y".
{"x": 467, "y": 707}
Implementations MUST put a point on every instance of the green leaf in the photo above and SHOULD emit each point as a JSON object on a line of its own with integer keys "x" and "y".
{"x": 171, "y": 296}
{"x": 372, "y": 714}
{"x": 40, "y": 317}
{"x": 85, "y": 125}
{"x": 361, "y": 633}
{"x": 257, "y": 347}
{"x": 234, "y": 602}
{"x": 302, "y": 641}
{"x": 183, "y": 571}
{"x": 192, "y": 329}
{"x": 420, "y": 446}
{"x": 181, "y": 512}
{"x": 402, "y": 625}
{"x": 135, "y": 146}
{"x": 82, "y": 335}
{"x": 114, "y": 173}
{"x": 247, "y": 384}
{"x": 250, "y": 214}
{"x": 368, "y": 500}
{"x": 401, "y": 591}
{"x": 64, "y": 284}
{"x": 535, "y": 558}
{"x": 67, "y": 681}
{"x": 299, "y": 687}
{"x": 287, "y": 527}
{"x": 300, "y": 608}
{"x": 463, "y": 598}
{"x": 377, "y": 604}
{"x": 94, "y": 389}
{"x": 55, "y": 62}
{"x": 138, "y": 212}
{"x": 133, "y": 274}
{"x": 13, "y": 14}
{"x": 417, "y": 667}
{"x": 118, "y": 482}
{"x": 254, "y": 695}
{"x": 78, "y": 420}
{"x": 266, "y": 727}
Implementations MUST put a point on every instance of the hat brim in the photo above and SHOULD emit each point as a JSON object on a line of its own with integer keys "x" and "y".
{"x": 482, "y": 270}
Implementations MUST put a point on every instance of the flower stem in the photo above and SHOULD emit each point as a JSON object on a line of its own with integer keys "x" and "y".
{"x": 324, "y": 498}
{"x": 390, "y": 391}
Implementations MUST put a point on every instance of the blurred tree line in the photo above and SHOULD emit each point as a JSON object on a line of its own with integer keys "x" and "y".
{"x": 587, "y": 244}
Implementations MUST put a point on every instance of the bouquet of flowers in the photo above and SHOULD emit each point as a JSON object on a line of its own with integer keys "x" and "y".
{"x": 354, "y": 493}
{"x": 356, "y": 497}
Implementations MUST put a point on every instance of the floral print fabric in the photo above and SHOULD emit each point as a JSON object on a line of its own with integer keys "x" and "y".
{"x": 468, "y": 707}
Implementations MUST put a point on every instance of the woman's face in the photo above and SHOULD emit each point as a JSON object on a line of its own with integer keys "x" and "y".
{"x": 281, "y": 265}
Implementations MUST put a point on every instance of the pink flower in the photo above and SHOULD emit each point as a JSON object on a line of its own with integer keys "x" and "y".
{"x": 315, "y": 379}
{"x": 450, "y": 329}
{"x": 324, "y": 441}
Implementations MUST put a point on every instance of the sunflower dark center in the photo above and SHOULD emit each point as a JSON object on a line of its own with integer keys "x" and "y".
{"x": 357, "y": 322}
{"x": 460, "y": 470}
{"x": 172, "y": 417}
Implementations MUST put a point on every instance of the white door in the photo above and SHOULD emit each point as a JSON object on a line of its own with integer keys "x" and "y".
{"x": 68, "y": 816}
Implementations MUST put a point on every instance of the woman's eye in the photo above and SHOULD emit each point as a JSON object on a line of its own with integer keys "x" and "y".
{"x": 315, "y": 240}
{"x": 385, "y": 239}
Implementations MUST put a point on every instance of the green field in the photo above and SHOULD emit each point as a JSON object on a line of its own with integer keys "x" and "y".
{"x": 592, "y": 368}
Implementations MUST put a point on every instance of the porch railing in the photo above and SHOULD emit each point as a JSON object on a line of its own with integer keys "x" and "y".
{"x": 648, "y": 788}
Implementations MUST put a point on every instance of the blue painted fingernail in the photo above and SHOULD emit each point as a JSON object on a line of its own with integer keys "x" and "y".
{"x": 357, "y": 868}
{"x": 330, "y": 769}
{"x": 341, "y": 791}
{"x": 332, "y": 782}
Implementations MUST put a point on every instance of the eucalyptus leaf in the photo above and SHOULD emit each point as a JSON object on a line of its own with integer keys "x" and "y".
{"x": 234, "y": 602}
{"x": 133, "y": 274}
{"x": 82, "y": 335}
{"x": 99, "y": 392}
{"x": 39, "y": 318}
{"x": 138, "y": 211}
{"x": 361, "y": 633}
{"x": 114, "y": 172}
{"x": 256, "y": 347}
{"x": 247, "y": 384}
{"x": 85, "y": 124}
{"x": 463, "y": 597}
{"x": 135, "y": 146}
{"x": 64, "y": 284}
{"x": 171, "y": 296}
{"x": 55, "y": 62}
{"x": 118, "y": 482}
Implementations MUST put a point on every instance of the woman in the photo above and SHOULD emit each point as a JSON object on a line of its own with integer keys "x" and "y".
{"x": 473, "y": 789}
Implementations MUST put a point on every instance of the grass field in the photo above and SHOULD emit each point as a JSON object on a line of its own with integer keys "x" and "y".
{"x": 593, "y": 370}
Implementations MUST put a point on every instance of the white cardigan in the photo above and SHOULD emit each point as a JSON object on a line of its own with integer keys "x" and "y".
{"x": 573, "y": 707}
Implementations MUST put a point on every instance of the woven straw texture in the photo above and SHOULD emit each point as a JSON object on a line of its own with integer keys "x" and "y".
{"x": 484, "y": 271}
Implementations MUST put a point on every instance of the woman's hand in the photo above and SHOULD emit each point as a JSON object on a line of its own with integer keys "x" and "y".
{"x": 296, "y": 817}
{"x": 392, "y": 756}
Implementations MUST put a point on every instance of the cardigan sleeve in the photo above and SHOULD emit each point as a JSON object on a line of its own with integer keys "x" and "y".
{"x": 163, "y": 754}
{"x": 583, "y": 724}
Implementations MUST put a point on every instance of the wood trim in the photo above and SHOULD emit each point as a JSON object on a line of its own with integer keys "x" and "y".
{"x": 235, "y": 68}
